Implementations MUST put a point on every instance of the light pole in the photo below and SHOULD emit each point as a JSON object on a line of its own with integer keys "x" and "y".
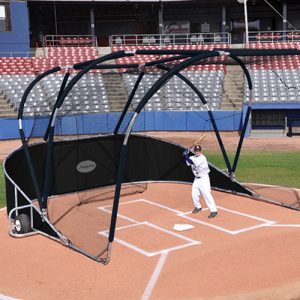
{"x": 246, "y": 20}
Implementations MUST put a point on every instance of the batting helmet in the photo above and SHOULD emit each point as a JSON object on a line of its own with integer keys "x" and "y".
{"x": 197, "y": 148}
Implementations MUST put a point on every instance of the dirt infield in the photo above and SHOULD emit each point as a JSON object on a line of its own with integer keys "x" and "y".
{"x": 7, "y": 147}
{"x": 230, "y": 140}
{"x": 249, "y": 251}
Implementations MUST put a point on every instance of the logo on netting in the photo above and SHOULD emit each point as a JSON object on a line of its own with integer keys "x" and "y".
{"x": 86, "y": 166}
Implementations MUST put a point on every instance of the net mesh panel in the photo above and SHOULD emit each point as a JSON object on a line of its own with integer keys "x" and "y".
{"x": 84, "y": 216}
{"x": 81, "y": 215}
{"x": 285, "y": 196}
{"x": 275, "y": 80}
{"x": 85, "y": 219}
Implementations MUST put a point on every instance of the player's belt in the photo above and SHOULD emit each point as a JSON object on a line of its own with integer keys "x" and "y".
{"x": 198, "y": 177}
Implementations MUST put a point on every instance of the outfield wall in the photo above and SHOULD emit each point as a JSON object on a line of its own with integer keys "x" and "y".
{"x": 147, "y": 121}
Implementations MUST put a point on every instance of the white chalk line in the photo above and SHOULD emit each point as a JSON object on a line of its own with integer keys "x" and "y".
{"x": 232, "y": 232}
{"x": 250, "y": 228}
{"x": 183, "y": 215}
{"x": 245, "y": 215}
{"x": 3, "y": 297}
{"x": 266, "y": 223}
{"x": 206, "y": 224}
{"x": 285, "y": 225}
{"x": 155, "y": 275}
{"x": 190, "y": 242}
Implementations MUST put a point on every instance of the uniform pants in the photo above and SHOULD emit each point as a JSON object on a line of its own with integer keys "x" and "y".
{"x": 201, "y": 186}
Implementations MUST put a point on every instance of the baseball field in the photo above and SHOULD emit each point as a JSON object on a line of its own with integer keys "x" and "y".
{"x": 250, "y": 251}
{"x": 257, "y": 164}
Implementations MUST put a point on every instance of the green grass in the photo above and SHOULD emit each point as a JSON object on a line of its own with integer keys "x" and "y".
{"x": 278, "y": 168}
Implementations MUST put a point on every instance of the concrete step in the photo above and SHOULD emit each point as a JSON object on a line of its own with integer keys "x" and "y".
{"x": 232, "y": 85}
{"x": 8, "y": 112}
{"x": 5, "y": 104}
{"x": 267, "y": 133}
{"x": 233, "y": 88}
{"x": 233, "y": 95}
{"x": 103, "y": 51}
{"x": 230, "y": 106}
{"x": 232, "y": 100}
{"x": 232, "y": 103}
{"x": 116, "y": 92}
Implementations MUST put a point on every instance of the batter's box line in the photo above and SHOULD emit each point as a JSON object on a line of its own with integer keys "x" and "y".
{"x": 183, "y": 215}
{"x": 232, "y": 232}
{"x": 285, "y": 225}
{"x": 228, "y": 231}
{"x": 190, "y": 241}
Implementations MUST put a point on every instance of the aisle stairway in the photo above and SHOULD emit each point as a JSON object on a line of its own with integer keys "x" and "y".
{"x": 115, "y": 91}
{"x": 233, "y": 88}
{"x": 6, "y": 109}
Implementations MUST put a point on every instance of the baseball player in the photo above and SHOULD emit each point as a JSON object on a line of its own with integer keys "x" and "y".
{"x": 201, "y": 184}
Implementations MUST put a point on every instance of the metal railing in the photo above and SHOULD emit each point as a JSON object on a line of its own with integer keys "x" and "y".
{"x": 274, "y": 36}
{"x": 17, "y": 54}
{"x": 169, "y": 39}
{"x": 69, "y": 41}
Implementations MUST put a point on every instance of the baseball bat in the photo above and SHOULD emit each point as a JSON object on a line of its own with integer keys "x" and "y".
{"x": 200, "y": 139}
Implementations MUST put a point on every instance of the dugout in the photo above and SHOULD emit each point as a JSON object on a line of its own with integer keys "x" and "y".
{"x": 283, "y": 117}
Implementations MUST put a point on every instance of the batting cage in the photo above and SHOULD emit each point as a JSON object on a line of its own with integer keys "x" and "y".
{"x": 66, "y": 180}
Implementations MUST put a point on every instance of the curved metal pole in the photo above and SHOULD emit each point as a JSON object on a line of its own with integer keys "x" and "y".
{"x": 125, "y": 109}
{"x": 88, "y": 67}
{"x": 31, "y": 86}
{"x": 211, "y": 117}
{"x": 64, "y": 90}
{"x": 22, "y": 134}
{"x": 148, "y": 64}
{"x": 123, "y": 153}
{"x": 152, "y": 63}
{"x": 49, "y": 135}
{"x": 62, "y": 87}
{"x": 187, "y": 81}
{"x": 247, "y": 117}
{"x": 80, "y": 66}
{"x": 166, "y": 77}
{"x": 246, "y": 72}
{"x": 165, "y": 60}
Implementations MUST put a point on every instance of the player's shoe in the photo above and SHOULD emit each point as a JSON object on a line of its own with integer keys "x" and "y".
{"x": 213, "y": 214}
{"x": 196, "y": 209}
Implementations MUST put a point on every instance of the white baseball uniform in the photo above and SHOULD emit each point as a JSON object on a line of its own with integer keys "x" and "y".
{"x": 201, "y": 184}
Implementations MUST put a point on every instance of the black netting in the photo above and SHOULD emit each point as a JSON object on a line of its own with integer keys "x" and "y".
{"x": 77, "y": 169}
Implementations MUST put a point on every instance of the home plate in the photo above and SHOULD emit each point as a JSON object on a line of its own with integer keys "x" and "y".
{"x": 182, "y": 227}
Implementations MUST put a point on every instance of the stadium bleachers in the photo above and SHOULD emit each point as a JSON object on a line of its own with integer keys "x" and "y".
{"x": 58, "y": 56}
{"x": 142, "y": 59}
{"x": 176, "y": 95}
{"x": 89, "y": 95}
{"x": 17, "y": 73}
{"x": 275, "y": 79}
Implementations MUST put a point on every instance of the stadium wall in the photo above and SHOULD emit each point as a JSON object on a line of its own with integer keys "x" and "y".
{"x": 16, "y": 40}
{"x": 147, "y": 121}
